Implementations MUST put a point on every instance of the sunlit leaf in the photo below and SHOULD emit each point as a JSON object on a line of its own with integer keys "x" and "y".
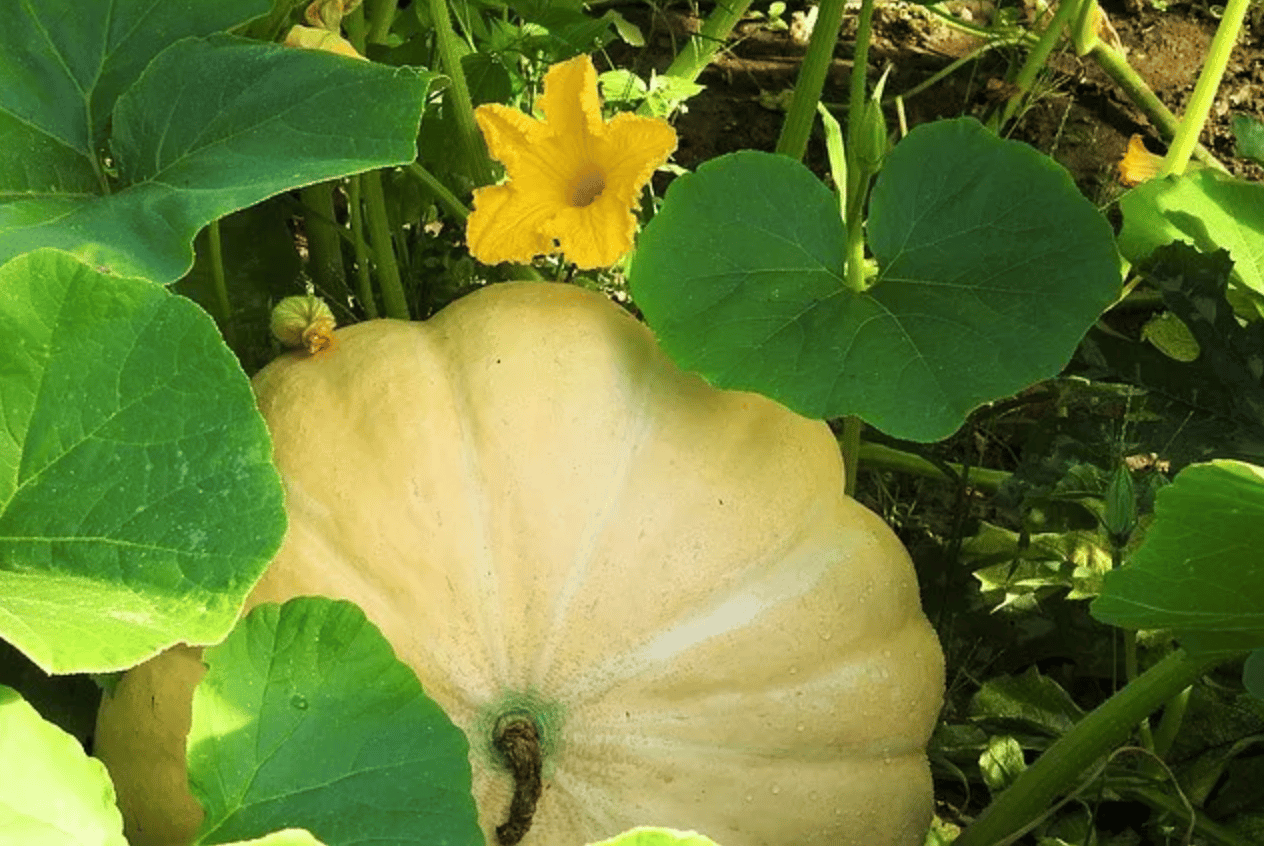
{"x": 1199, "y": 571}
{"x": 138, "y": 502}
{"x": 306, "y": 718}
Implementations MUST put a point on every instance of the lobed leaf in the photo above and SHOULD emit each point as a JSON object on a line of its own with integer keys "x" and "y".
{"x": 306, "y": 719}
{"x": 211, "y": 126}
{"x": 991, "y": 266}
{"x": 1205, "y": 208}
{"x": 138, "y": 502}
{"x": 51, "y": 792}
{"x": 1199, "y": 571}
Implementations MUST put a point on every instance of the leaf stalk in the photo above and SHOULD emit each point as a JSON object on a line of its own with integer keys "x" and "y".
{"x": 1090, "y": 740}
{"x": 1200, "y": 102}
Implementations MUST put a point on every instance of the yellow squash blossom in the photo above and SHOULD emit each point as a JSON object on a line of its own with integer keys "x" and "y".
{"x": 573, "y": 178}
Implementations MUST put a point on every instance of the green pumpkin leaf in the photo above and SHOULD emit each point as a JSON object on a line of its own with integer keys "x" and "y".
{"x": 65, "y": 63}
{"x": 1253, "y": 674}
{"x": 1248, "y": 134}
{"x": 991, "y": 266}
{"x": 138, "y": 502}
{"x": 211, "y": 126}
{"x": 306, "y": 719}
{"x": 649, "y": 836}
{"x": 1205, "y": 208}
{"x": 287, "y": 837}
{"x": 1198, "y": 571}
{"x": 1030, "y": 702}
{"x": 51, "y": 792}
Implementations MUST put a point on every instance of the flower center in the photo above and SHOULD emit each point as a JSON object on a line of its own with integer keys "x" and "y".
{"x": 586, "y": 187}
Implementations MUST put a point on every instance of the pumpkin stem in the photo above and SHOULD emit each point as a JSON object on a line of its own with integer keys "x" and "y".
{"x": 518, "y": 739}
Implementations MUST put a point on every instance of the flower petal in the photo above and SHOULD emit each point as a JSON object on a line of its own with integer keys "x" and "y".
{"x": 593, "y": 236}
{"x": 633, "y": 148}
{"x": 507, "y": 225}
{"x": 572, "y": 109}
{"x": 534, "y": 160}
{"x": 310, "y": 38}
{"x": 508, "y": 132}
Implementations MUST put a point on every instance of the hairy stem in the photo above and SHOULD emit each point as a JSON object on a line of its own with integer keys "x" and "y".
{"x": 389, "y": 284}
{"x": 701, "y": 49}
{"x": 445, "y": 197}
{"x": 458, "y": 95}
{"x": 797, "y": 127}
{"x": 859, "y": 171}
{"x": 216, "y": 255}
{"x": 1067, "y": 11}
{"x": 881, "y": 457}
{"x": 1204, "y": 95}
{"x": 324, "y": 241}
{"x": 1112, "y": 62}
{"x": 380, "y": 17}
{"x": 364, "y": 284}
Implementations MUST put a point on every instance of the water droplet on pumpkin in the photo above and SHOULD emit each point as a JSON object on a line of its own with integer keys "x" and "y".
{"x": 826, "y": 635}
{"x": 794, "y": 671}
{"x": 299, "y": 701}
{"x": 749, "y": 797}
{"x": 775, "y": 790}
{"x": 799, "y": 727}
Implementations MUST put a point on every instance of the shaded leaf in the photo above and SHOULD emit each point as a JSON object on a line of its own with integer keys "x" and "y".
{"x": 214, "y": 125}
{"x": 1030, "y": 701}
{"x": 1253, "y": 674}
{"x": 977, "y": 295}
{"x": 1212, "y": 406}
{"x": 1248, "y": 133}
{"x": 1205, "y": 208}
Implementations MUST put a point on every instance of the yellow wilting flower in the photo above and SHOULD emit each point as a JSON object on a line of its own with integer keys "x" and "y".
{"x": 325, "y": 17}
{"x": 573, "y": 179}
{"x": 1138, "y": 164}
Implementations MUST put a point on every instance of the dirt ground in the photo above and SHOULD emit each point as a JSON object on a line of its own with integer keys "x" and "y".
{"x": 1081, "y": 117}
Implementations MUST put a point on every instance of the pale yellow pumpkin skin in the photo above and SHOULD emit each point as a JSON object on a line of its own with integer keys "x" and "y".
{"x": 537, "y": 507}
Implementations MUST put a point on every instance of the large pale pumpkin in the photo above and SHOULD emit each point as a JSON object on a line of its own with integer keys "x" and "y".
{"x": 544, "y": 515}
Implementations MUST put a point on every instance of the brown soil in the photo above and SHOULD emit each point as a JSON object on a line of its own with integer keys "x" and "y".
{"x": 1081, "y": 117}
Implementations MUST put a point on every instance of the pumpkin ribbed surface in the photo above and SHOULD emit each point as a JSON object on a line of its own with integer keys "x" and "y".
{"x": 543, "y": 514}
